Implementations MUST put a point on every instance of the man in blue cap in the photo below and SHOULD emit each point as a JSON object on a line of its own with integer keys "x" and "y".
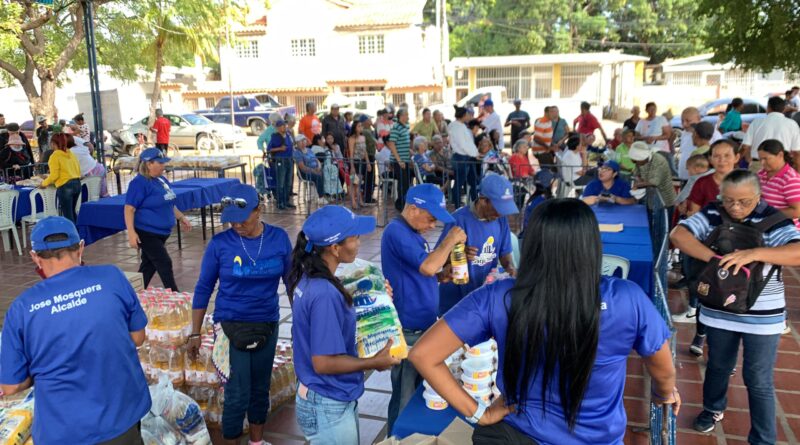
{"x": 74, "y": 335}
{"x": 411, "y": 267}
{"x": 608, "y": 187}
{"x": 488, "y": 237}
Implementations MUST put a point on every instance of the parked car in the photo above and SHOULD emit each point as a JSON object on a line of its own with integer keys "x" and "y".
{"x": 710, "y": 111}
{"x": 368, "y": 105}
{"x": 248, "y": 111}
{"x": 194, "y": 131}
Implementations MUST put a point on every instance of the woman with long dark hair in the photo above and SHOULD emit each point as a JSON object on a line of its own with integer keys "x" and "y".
{"x": 329, "y": 371}
{"x": 563, "y": 332}
{"x": 780, "y": 183}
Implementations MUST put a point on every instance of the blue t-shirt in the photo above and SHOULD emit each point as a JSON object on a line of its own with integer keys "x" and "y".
{"x": 619, "y": 188}
{"x": 529, "y": 209}
{"x": 71, "y": 334}
{"x": 247, "y": 291}
{"x": 493, "y": 240}
{"x": 416, "y": 296}
{"x": 154, "y": 201}
{"x": 628, "y": 320}
{"x": 323, "y": 324}
{"x": 307, "y": 158}
{"x": 421, "y": 161}
{"x": 278, "y": 141}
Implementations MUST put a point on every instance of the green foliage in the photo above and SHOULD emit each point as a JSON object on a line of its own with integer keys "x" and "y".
{"x": 656, "y": 28}
{"x": 758, "y": 35}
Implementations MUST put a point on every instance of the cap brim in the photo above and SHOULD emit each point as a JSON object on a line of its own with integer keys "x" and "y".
{"x": 162, "y": 160}
{"x": 441, "y": 214}
{"x": 505, "y": 207}
{"x": 233, "y": 214}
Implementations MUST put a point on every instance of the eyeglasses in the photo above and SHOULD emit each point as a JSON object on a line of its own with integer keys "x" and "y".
{"x": 238, "y": 202}
{"x": 744, "y": 203}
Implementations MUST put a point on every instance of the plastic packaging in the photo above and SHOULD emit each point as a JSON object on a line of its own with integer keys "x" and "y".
{"x": 483, "y": 349}
{"x": 179, "y": 411}
{"x": 476, "y": 384}
{"x": 156, "y": 430}
{"x": 476, "y": 368}
{"x": 434, "y": 401}
{"x": 459, "y": 265}
{"x": 376, "y": 317}
{"x": 483, "y": 395}
{"x": 15, "y": 426}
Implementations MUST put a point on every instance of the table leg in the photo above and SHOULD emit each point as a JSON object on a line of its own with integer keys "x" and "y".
{"x": 203, "y": 221}
{"x": 211, "y": 209}
{"x": 119, "y": 183}
{"x": 244, "y": 175}
{"x": 180, "y": 242}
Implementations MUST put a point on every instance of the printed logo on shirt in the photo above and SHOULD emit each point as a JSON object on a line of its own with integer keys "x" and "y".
{"x": 64, "y": 302}
{"x": 487, "y": 254}
{"x": 263, "y": 268}
{"x": 169, "y": 195}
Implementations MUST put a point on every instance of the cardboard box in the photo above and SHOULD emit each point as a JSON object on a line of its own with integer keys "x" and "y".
{"x": 457, "y": 433}
{"x": 136, "y": 279}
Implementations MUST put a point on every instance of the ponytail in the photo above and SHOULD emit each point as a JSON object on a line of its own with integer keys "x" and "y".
{"x": 311, "y": 265}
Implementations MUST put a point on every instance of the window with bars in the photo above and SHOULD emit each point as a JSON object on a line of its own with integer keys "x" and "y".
{"x": 580, "y": 80}
{"x": 247, "y": 49}
{"x": 370, "y": 44}
{"x": 304, "y": 48}
{"x": 685, "y": 79}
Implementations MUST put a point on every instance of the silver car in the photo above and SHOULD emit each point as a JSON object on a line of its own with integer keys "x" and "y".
{"x": 191, "y": 130}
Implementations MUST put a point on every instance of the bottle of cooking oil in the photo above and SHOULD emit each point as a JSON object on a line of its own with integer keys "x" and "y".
{"x": 458, "y": 262}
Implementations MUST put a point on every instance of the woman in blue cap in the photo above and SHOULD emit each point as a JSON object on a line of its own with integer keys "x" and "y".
{"x": 150, "y": 215}
{"x": 562, "y": 342}
{"x": 608, "y": 187}
{"x": 248, "y": 261}
{"x": 329, "y": 371}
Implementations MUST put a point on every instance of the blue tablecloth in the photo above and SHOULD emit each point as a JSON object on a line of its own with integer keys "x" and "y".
{"x": 417, "y": 418}
{"x": 633, "y": 242}
{"x": 105, "y": 217}
{"x": 211, "y": 189}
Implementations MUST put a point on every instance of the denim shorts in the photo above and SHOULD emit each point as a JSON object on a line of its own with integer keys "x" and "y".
{"x": 326, "y": 421}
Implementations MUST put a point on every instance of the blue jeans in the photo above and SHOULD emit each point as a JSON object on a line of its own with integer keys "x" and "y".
{"x": 405, "y": 381}
{"x": 694, "y": 298}
{"x": 247, "y": 391}
{"x": 68, "y": 196}
{"x": 326, "y": 421}
{"x": 316, "y": 179}
{"x": 759, "y": 355}
{"x": 283, "y": 173}
{"x": 466, "y": 175}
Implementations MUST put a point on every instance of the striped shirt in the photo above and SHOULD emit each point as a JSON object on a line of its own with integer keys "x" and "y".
{"x": 402, "y": 141}
{"x": 768, "y": 314}
{"x": 781, "y": 190}
{"x": 542, "y": 130}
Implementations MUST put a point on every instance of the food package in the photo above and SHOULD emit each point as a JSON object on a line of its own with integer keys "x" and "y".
{"x": 179, "y": 411}
{"x": 376, "y": 317}
{"x": 15, "y": 426}
{"x": 34, "y": 181}
{"x": 156, "y": 431}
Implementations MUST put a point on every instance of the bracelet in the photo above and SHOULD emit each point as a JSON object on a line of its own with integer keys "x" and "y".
{"x": 193, "y": 336}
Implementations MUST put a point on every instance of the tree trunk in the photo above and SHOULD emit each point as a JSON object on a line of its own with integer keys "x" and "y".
{"x": 43, "y": 103}
{"x": 156, "y": 97}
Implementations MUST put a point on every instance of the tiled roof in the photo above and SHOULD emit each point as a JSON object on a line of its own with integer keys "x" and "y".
{"x": 200, "y": 93}
{"x": 380, "y": 13}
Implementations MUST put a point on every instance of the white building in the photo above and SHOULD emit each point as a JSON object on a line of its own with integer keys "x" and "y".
{"x": 724, "y": 79}
{"x": 301, "y": 50}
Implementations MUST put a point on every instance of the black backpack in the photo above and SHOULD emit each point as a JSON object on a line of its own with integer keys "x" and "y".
{"x": 717, "y": 287}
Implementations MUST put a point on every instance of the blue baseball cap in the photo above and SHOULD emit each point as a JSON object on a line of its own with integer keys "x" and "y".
{"x": 154, "y": 154}
{"x": 429, "y": 197}
{"x": 613, "y": 165}
{"x": 280, "y": 123}
{"x": 544, "y": 177}
{"x": 500, "y": 193}
{"x": 333, "y": 224}
{"x": 488, "y": 103}
{"x": 239, "y": 203}
{"x": 53, "y": 225}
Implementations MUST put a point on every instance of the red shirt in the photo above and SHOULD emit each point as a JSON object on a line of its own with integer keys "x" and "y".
{"x": 520, "y": 167}
{"x": 586, "y": 123}
{"x": 162, "y": 127}
{"x": 704, "y": 191}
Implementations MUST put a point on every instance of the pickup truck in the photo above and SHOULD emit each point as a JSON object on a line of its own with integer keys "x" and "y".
{"x": 248, "y": 111}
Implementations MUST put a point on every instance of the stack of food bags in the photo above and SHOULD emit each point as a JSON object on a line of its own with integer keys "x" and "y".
{"x": 376, "y": 316}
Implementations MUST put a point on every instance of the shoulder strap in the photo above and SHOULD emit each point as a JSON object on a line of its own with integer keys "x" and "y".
{"x": 724, "y": 214}
{"x": 770, "y": 221}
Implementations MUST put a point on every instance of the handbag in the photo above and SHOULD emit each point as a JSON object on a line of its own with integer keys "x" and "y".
{"x": 248, "y": 336}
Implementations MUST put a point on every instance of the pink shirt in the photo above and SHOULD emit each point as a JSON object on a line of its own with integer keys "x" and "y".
{"x": 782, "y": 189}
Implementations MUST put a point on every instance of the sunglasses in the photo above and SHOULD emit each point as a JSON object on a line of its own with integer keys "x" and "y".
{"x": 238, "y": 202}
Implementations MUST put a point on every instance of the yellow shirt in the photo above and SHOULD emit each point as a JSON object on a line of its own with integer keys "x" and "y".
{"x": 63, "y": 167}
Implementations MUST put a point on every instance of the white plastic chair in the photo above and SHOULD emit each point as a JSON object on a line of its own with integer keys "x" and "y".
{"x": 613, "y": 262}
{"x": 8, "y": 204}
{"x": 50, "y": 208}
{"x": 92, "y": 184}
{"x": 515, "y": 254}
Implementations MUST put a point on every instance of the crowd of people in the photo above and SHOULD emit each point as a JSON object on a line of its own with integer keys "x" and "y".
{"x": 563, "y": 342}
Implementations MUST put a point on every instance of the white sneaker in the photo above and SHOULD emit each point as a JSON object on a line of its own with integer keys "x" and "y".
{"x": 321, "y": 201}
{"x": 788, "y": 329}
{"x": 690, "y": 316}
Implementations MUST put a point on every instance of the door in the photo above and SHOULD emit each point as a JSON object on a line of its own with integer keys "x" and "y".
{"x": 222, "y": 112}
{"x": 181, "y": 134}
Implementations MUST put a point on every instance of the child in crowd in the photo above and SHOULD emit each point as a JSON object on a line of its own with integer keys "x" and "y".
{"x": 698, "y": 167}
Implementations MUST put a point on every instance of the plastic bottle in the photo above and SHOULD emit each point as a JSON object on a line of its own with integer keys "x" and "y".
{"x": 176, "y": 363}
{"x": 458, "y": 262}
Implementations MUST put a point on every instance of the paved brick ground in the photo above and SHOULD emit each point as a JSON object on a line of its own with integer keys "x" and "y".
{"x": 16, "y": 274}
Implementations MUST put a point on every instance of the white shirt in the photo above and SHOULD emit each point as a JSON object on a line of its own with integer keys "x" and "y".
{"x": 85, "y": 158}
{"x": 571, "y": 163}
{"x": 687, "y": 147}
{"x": 654, "y": 128}
{"x": 773, "y": 126}
{"x": 492, "y": 122}
{"x": 461, "y": 139}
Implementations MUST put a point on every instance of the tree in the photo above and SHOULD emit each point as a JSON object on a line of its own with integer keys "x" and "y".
{"x": 37, "y": 44}
{"x": 757, "y": 35}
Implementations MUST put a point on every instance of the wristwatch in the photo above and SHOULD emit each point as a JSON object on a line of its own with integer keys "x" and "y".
{"x": 478, "y": 414}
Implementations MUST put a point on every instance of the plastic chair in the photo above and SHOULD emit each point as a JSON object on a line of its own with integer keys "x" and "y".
{"x": 8, "y": 207}
{"x": 515, "y": 254}
{"x": 310, "y": 187}
{"x": 417, "y": 173}
{"x": 613, "y": 262}
{"x": 50, "y": 209}
{"x": 92, "y": 184}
